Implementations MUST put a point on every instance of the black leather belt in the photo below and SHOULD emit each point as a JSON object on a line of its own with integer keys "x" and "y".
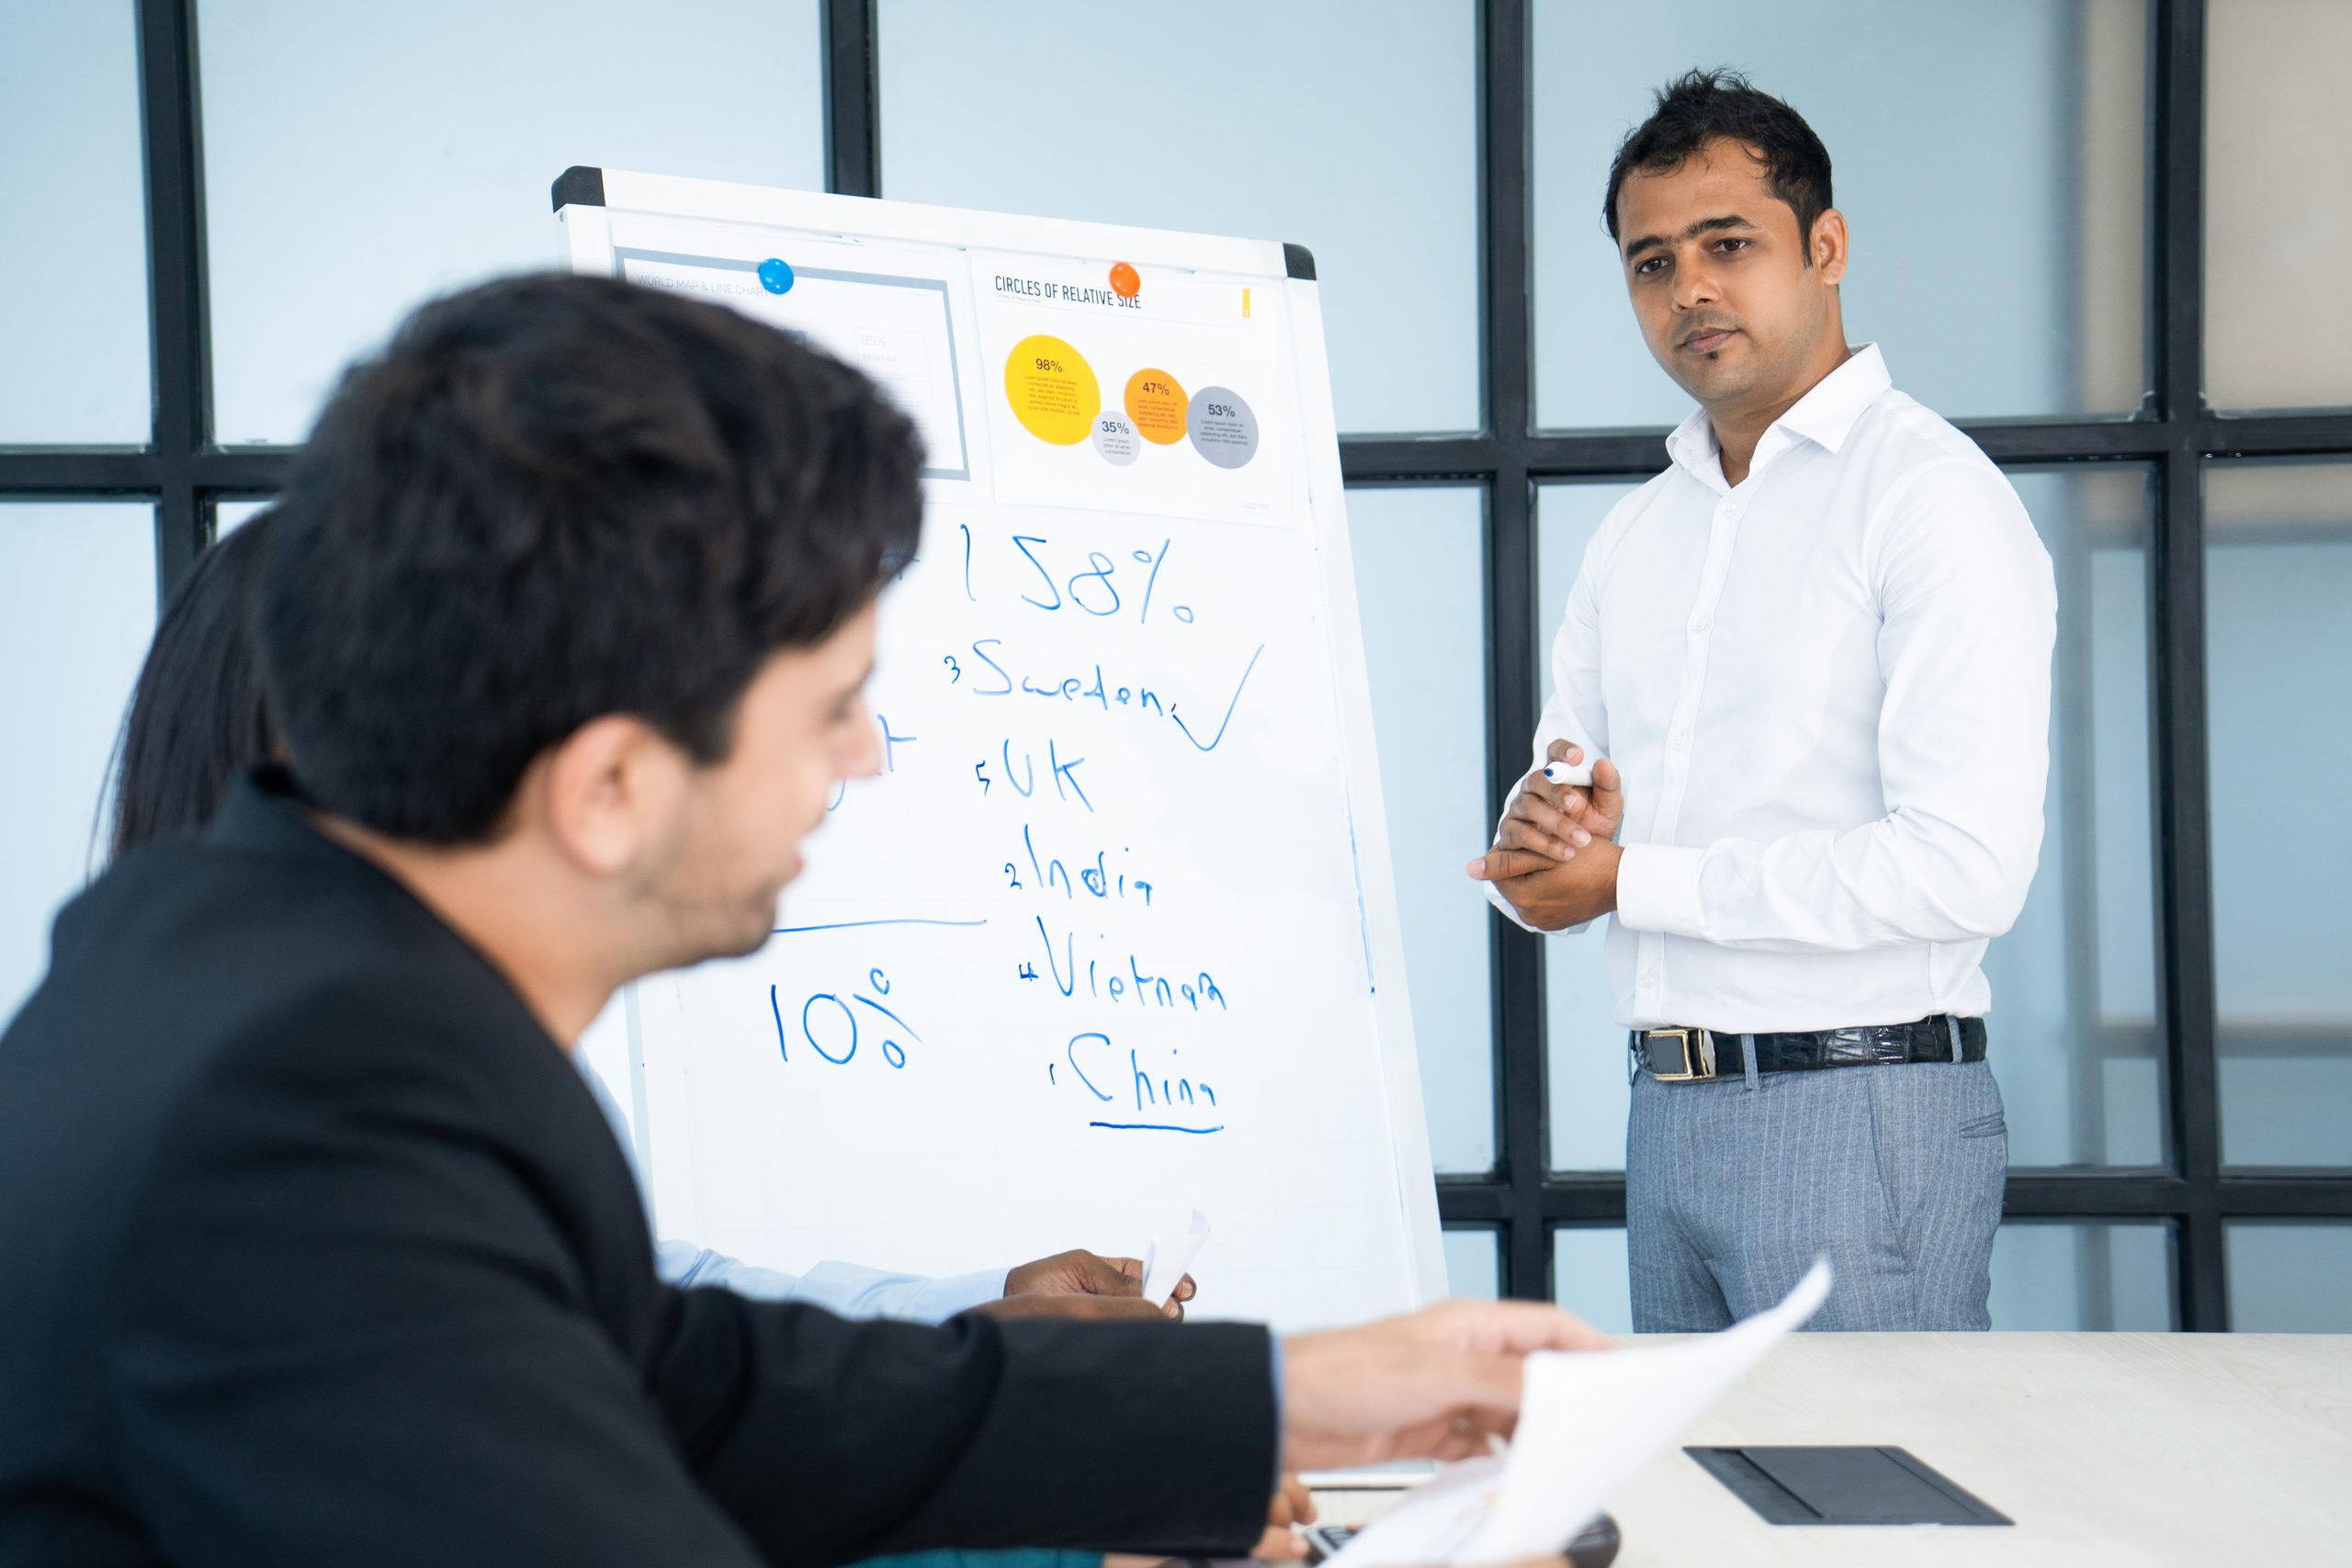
{"x": 1690, "y": 1056}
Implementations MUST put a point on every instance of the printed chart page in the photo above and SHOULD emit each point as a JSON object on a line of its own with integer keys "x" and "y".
{"x": 1092, "y": 953}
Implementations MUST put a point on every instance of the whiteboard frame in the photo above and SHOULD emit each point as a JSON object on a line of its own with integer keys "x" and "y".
{"x": 583, "y": 199}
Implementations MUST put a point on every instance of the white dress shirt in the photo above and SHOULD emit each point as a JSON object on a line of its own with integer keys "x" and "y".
{"x": 1828, "y": 690}
{"x": 845, "y": 1290}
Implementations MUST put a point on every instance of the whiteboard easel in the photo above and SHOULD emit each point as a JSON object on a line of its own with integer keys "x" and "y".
{"x": 1115, "y": 936}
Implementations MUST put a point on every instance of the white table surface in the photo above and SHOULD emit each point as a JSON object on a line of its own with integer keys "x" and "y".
{"x": 2105, "y": 1449}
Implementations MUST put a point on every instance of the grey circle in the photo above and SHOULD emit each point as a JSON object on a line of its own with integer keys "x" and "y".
{"x": 1222, "y": 428}
{"x": 1115, "y": 438}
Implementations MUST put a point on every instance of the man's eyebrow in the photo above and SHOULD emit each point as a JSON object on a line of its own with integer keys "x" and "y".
{"x": 1704, "y": 225}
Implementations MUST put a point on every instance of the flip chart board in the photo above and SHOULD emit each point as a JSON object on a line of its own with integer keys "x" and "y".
{"x": 1113, "y": 937}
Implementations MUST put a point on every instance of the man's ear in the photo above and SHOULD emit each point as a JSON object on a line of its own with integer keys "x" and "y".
{"x": 1828, "y": 244}
{"x": 612, "y": 789}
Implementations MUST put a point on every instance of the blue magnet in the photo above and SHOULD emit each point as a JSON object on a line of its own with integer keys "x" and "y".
{"x": 775, "y": 277}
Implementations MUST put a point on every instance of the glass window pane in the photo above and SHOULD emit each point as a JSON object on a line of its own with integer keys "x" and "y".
{"x": 1590, "y": 1276}
{"x": 1989, "y": 159}
{"x": 2290, "y": 1278}
{"x": 2075, "y": 1042}
{"x": 73, "y": 272}
{"x": 2278, "y": 135}
{"x": 228, "y": 516}
{"x": 1346, "y": 126}
{"x": 77, "y": 604}
{"x": 2063, "y": 1277}
{"x": 320, "y": 241}
{"x": 1589, "y": 1089}
{"x": 2278, "y": 577}
{"x": 1420, "y": 590}
{"x": 1474, "y": 1264}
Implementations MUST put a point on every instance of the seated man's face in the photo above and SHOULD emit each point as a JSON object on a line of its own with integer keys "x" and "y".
{"x": 734, "y": 840}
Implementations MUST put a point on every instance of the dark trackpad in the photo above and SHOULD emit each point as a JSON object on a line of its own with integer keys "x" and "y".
{"x": 1843, "y": 1486}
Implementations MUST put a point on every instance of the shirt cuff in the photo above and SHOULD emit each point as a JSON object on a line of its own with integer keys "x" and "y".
{"x": 1495, "y": 897}
{"x": 940, "y": 1300}
{"x": 1274, "y": 1351}
{"x": 1494, "y": 894}
{"x": 1658, "y": 889}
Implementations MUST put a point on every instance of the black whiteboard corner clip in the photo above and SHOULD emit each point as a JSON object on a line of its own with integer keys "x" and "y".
{"x": 1298, "y": 261}
{"x": 579, "y": 185}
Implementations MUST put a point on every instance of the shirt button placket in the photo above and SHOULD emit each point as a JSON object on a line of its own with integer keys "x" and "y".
{"x": 1681, "y": 728}
{"x": 1650, "y": 952}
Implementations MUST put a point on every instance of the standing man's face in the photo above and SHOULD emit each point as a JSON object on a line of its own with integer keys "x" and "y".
{"x": 1719, "y": 277}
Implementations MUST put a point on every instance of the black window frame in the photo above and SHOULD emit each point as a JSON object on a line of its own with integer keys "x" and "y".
{"x": 184, "y": 473}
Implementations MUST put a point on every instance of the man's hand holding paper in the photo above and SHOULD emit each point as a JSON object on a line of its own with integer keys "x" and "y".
{"x": 1587, "y": 1426}
{"x": 1433, "y": 1385}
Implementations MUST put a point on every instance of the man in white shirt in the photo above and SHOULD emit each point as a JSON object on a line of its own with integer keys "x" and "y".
{"x": 1809, "y": 664}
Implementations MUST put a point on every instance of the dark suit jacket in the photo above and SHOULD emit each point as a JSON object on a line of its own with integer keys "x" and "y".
{"x": 314, "y": 1250}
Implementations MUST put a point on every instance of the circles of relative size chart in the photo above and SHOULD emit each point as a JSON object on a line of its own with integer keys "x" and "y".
{"x": 1058, "y": 398}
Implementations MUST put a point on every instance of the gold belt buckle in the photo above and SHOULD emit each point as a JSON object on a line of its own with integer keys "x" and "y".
{"x": 1706, "y": 1067}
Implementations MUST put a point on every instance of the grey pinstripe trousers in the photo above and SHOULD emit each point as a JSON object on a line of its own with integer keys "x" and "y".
{"x": 1732, "y": 1185}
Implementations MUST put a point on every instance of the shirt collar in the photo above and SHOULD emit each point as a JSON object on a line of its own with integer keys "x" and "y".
{"x": 1825, "y": 416}
{"x": 263, "y": 810}
{"x": 1828, "y": 414}
{"x": 1692, "y": 445}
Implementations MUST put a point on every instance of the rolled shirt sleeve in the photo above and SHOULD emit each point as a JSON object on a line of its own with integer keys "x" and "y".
{"x": 845, "y": 1290}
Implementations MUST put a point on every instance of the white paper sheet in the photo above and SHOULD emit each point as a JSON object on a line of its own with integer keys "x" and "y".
{"x": 1165, "y": 1260}
{"x": 1589, "y": 1422}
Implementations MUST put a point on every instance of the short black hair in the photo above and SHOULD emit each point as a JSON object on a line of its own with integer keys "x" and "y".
{"x": 1701, "y": 107}
{"x": 553, "y": 498}
{"x": 196, "y": 717}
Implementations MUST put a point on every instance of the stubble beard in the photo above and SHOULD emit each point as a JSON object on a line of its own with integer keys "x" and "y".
{"x": 738, "y": 926}
{"x": 1734, "y": 381}
{"x": 699, "y": 917}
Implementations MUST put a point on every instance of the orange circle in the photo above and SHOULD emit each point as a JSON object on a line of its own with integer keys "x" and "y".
{"x": 1124, "y": 281}
{"x": 1157, "y": 404}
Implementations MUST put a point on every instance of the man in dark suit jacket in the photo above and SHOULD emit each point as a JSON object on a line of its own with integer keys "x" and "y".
{"x": 316, "y": 1249}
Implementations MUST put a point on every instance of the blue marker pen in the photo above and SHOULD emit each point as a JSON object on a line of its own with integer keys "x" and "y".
{"x": 1568, "y": 773}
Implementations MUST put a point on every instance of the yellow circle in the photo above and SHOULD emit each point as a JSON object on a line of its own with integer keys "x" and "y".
{"x": 1156, "y": 404}
{"x": 1052, "y": 390}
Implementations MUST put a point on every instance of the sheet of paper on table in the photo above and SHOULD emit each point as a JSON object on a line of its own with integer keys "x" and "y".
{"x": 1589, "y": 1422}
